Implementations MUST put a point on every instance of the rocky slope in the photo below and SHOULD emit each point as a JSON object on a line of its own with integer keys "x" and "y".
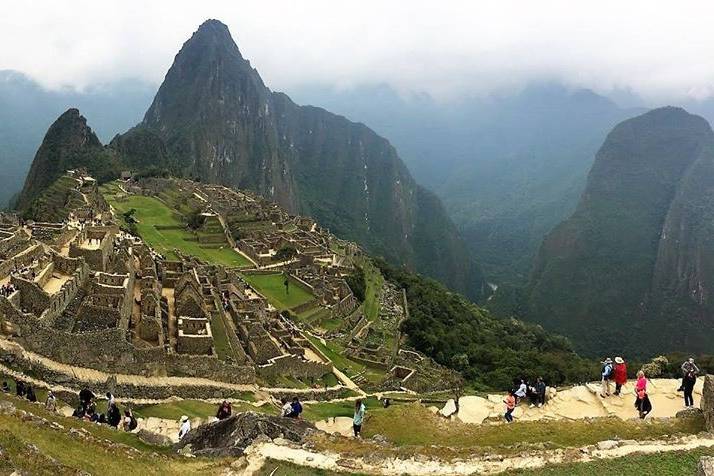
{"x": 220, "y": 123}
{"x": 632, "y": 267}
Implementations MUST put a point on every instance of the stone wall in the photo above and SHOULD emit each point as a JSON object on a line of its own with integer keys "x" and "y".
{"x": 110, "y": 351}
{"x": 708, "y": 402}
{"x": 295, "y": 367}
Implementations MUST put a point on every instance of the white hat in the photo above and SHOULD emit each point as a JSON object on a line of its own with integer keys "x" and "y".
{"x": 618, "y": 360}
{"x": 184, "y": 418}
{"x": 608, "y": 361}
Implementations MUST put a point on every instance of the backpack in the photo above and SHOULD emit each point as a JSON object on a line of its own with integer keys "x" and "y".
{"x": 607, "y": 371}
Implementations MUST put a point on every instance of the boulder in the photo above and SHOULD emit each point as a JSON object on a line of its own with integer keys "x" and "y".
{"x": 705, "y": 466}
{"x": 707, "y": 404}
{"x": 689, "y": 413}
{"x": 152, "y": 438}
{"x": 230, "y": 437}
{"x": 607, "y": 445}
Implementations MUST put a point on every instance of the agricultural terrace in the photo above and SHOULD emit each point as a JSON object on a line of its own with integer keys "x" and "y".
{"x": 164, "y": 230}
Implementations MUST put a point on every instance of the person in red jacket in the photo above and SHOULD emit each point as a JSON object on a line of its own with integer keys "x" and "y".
{"x": 620, "y": 374}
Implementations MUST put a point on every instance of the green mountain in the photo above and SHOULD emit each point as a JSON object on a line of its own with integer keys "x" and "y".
{"x": 633, "y": 268}
{"x": 69, "y": 143}
{"x": 219, "y": 123}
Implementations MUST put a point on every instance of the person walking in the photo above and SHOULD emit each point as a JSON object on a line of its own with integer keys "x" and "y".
{"x": 510, "y": 402}
{"x": 606, "y": 375}
{"x": 51, "y": 402}
{"x": 358, "y": 418}
{"x": 620, "y": 374}
{"x": 689, "y": 378}
{"x": 642, "y": 402}
{"x": 540, "y": 391}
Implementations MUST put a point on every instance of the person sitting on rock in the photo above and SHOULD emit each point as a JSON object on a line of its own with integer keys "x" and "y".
{"x": 185, "y": 427}
{"x": 296, "y": 408}
{"x": 619, "y": 374}
{"x": 130, "y": 422}
{"x": 224, "y": 410}
{"x": 79, "y": 412}
{"x": 20, "y": 388}
{"x": 286, "y": 409}
{"x": 113, "y": 415}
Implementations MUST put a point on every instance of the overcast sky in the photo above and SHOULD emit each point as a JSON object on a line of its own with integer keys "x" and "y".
{"x": 660, "y": 50}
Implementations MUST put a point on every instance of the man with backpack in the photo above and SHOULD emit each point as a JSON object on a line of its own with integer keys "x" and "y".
{"x": 606, "y": 376}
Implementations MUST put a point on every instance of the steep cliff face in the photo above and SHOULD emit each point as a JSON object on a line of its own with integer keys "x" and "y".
{"x": 633, "y": 267}
{"x": 69, "y": 143}
{"x": 220, "y": 123}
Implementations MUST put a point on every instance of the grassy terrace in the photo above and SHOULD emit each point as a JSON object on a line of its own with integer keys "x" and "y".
{"x": 272, "y": 287}
{"x": 39, "y": 449}
{"x": 164, "y": 230}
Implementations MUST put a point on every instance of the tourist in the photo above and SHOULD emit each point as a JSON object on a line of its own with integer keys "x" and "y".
{"x": 540, "y": 391}
{"x": 20, "y": 389}
{"x": 5, "y": 387}
{"x": 510, "y": 402}
{"x": 113, "y": 415}
{"x": 51, "y": 402}
{"x": 224, "y": 410}
{"x": 358, "y": 418}
{"x": 185, "y": 427}
{"x": 130, "y": 422}
{"x": 386, "y": 402}
{"x": 689, "y": 378}
{"x": 85, "y": 396}
{"x": 286, "y": 409}
{"x": 79, "y": 412}
{"x": 620, "y": 374}
{"x": 296, "y": 408}
{"x": 521, "y": 392}
{"x": 110, "y": 399}
{"x": 606, "y": 376}
{"x": 30, "y": 394}
{"x": 642, "y": 403}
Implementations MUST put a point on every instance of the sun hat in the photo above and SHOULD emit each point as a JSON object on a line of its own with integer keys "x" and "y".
{"x": 619, "y": 360}
{"x": 608, "y": 361}
{"x": 184, "y": 418}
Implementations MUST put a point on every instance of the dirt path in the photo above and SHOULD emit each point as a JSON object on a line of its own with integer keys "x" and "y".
{"x": 257, "y": 454}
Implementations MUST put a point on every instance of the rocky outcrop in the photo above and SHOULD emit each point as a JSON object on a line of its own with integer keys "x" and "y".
{"x": 705, "y": 466}
{"x": 230, "y": 437}
{"x": 708, "y": 402}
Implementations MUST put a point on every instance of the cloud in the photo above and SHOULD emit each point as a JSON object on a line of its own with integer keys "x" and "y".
{"x": 447, "y": 48}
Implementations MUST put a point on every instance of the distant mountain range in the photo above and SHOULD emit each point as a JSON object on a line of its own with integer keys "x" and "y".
{"x": 214, "y": 120}
{"x": 633, "y": 268}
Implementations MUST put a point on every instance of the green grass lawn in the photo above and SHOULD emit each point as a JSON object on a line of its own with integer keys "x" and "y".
{"x": 271, "y": 286}
{"x": 220, "y": 338}
{"x": 152, "y": 212}
{"x": 374, "y": 281}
